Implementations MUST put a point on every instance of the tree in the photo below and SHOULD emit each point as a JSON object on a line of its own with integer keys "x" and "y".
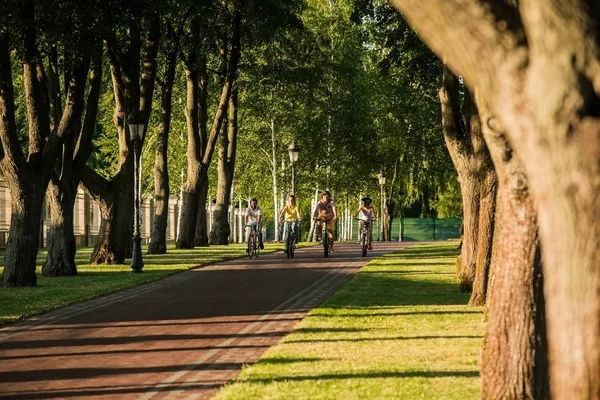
{"x": 537, "y": 67}
{"x": 158, "y": 240}
{"x": 133, "y": 90}
{"x": 27, "y": 178}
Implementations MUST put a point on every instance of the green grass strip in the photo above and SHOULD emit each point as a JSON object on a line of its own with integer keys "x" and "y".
{"x": 398, "y": 330}
{"x": 98, "y": 280}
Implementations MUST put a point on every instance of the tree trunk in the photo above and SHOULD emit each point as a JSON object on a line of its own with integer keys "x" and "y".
{"x": 462, "y": 133}
{"x": 274, "y": 175}
{"x": 514, "y": 359}
{"x": 540, "y": 77}
{"x": 116, "y": 226}
{"x": 60, "y": 260}
{"x": 158, "y": 239}
{"x": 485, "y": 232}
{"x": 221, "y": 230}
{"x": 23, "y": 236}
{"x": 201, "y": 236}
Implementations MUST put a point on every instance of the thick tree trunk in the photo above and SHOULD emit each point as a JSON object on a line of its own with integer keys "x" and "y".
{"x": 158, "y": 239}
{"x": 23, "y": 236}
{"x": 221, "y": 230}
{"x": 116, "y": 226}
{"x": 514, "y": 358}
{"x": 60, "y": 260}
{"x": 485, "y": 232}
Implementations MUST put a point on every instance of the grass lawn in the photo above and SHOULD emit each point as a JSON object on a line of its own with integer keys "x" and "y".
{"x": 399, "y": 330}
{"x": 97, "y": 280}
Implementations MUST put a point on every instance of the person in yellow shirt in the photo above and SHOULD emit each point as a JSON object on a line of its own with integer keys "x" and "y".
{"x": 291, "y": 215}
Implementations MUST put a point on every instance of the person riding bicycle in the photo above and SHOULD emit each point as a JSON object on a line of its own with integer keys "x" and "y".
{"x": 325, "y": 212}
{"x": 253, "y": 217}
{"x": 291, "y": 215}
{"x": 366, "y": 214}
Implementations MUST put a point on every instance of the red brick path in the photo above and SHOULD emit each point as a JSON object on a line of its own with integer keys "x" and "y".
{"x": 179, "y": 338}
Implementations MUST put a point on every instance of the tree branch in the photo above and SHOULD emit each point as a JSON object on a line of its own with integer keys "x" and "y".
{"x": 97, "y": 186}
{"x": 12, "y": 154}
{"x": 37, "y": 113}
{"x": 476, "y": 38}
{"x": 84, "y": 144}
{"x": 149, "y": 67}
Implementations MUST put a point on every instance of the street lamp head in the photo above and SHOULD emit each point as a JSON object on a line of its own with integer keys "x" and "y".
{"x": 137, "y": 122}
{"x": 381, "y": 176}
{"x": 294, "y": 151}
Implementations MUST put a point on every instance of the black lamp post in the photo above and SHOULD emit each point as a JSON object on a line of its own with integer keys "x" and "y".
{"x": 137, "y": 123}
{"x": 381, "y": 176}
{"x": 294, "y": 152}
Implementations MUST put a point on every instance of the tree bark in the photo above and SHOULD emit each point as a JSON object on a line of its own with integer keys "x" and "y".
{"x": 514, "y": 359}
{"x": 158, "y": 239}
{"x": 228, "y": 141}
{"x": 537, "y": 67}
{"x": 462, "y": 133}
{"x": 60, "y": 260}
{"x": 485, "y": 229}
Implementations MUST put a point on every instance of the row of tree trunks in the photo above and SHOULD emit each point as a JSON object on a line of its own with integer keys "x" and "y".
{"x": 198, "y": 160}
{"x": 540, "y": 78}
{"x": 221, "y": 229}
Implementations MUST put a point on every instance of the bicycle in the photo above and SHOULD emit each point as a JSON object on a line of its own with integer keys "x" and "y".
{"x": 327, "y": 242}
{"x": 364, "y": 237}
{"x": 253, "y": 247}
{"x": 290, "y": 243}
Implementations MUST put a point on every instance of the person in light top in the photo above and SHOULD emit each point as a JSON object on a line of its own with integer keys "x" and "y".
{"x": 253, "y": 217}
{"x": 366, "y": 215}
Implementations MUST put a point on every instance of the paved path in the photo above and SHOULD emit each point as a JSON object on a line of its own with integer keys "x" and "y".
{"x": 178, "y": 338}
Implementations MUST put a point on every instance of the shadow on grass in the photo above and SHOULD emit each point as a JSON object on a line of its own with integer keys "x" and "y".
{"x": 394, "y": 314}
{"x": 405, "y": 374}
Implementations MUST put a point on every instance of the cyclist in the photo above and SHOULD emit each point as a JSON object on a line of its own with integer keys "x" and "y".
{"x": 291, "y": 215}
{"x": 325, "y": 212}
{"x": 366, "y": 214}
{"x": 253, "y": 217}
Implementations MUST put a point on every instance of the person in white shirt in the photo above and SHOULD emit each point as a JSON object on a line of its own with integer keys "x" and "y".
{"x": 253, "y": 218}
{"x": 366, "y": 214}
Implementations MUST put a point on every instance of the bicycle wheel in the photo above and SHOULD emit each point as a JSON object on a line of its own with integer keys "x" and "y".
{"x": 364, "y": 244}
{"x": 325, "y": 243}
{"x": 250, "y": 247}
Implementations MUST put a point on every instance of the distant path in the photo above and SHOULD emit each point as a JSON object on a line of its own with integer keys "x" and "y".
{"x": 178, "y": 338}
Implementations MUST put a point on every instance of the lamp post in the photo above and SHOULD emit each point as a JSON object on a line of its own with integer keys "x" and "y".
{"x": 137, "y": 123}
{"x": 294, "y": 152}
{"x": 381, "y": 176}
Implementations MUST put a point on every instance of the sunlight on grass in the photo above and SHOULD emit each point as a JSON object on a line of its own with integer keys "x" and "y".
{"x": 399, "y": 330}
{"x": 97, "y": 280}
